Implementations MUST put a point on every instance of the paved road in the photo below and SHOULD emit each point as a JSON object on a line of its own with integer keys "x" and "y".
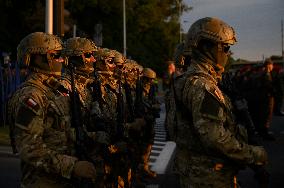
{"x": 9, "y": 169}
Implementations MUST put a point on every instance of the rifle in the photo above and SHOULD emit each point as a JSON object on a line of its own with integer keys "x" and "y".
{"x": 129, "y": 100}
{"x": 240, "y": 107}
{"x": 139, "y": 109}
{"x": 172, "y": 86}
{"x": 122, "y": 156}
{"x": 151, "y": 97}
{"x": 2, "y": 96}
{"x": 82, "y": 139}
{"x": 243, "y": 116}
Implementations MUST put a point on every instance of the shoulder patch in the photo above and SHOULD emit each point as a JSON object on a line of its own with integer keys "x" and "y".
{"x": 24, "y": 115}
{"x": 32, "y": 104}
{"x": 211, "y": 107}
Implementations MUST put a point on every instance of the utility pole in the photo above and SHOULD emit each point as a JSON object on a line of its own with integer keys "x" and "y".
{"x": 58, "y": 15}
{"x": 282, "y": 39}
{"x": 180, "y": 37}
{"x": 49, "y": 16}
{"x": 74, "y": 30}
{"x": 179, "y": 19}
{"x": 124, "y": 29}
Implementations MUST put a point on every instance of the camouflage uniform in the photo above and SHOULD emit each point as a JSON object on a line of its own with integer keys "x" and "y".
{"x": 148, "y": 109}
{"x": 116, "y": 166}
{"x": 97, "y": 102}
{"x": 43, "y": 135}
{"x": 74, "y": 52}
{"x": 39, "y": 117}
{"x": 211, "y": 147}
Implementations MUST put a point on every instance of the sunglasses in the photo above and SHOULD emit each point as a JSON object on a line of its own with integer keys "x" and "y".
{"x": 88, "y": 54}
{"x": 110, "y": 61}
{"x": 55, "y": 55}
{"x": 226, "y": 48}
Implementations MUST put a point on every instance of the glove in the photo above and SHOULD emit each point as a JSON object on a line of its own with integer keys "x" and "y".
{"x": 102, "y": 137}
{"x": 84, "y": 169}
{"x": 261, "y": 175}
{"x": 136, "y": 125}
{"x": 260, "y": 155}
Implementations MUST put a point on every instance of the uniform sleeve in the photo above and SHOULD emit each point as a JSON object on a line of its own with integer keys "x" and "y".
{"x": 208, "y": 119}
{"x": 29, "y": 128}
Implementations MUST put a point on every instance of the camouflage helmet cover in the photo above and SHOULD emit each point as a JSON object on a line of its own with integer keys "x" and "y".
{"x": 179, "y": 55}
{"x": 101, "y": 55}
{"x": 209, "y": 28}
{"x": 77, "y": 46}
{"x": 132, "y": 65}
{"x": 37, "y": 43}
{"x": 119, "y": 59}
{"x": 149, "y": 73}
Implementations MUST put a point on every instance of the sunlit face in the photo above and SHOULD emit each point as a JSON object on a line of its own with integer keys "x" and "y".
{"x": 55, "y": 61}
{"x": 88, "y": 57}
{"x": 269, "y": 67}
{"x": 171, "y": 68}
{"x": 110, "y": 63}
{"x": 55, "y": 56}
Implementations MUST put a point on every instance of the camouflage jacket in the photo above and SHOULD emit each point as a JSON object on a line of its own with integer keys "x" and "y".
{"x": 205, "y": 123}
{"x": 104, "y": 108}
{"x": 39, "y": 119}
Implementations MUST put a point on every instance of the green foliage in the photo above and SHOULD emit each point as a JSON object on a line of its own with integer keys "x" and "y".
{"x": 17, "y": 19}
{"x": 4, "y": 135}
{"x": 152, "y": 26}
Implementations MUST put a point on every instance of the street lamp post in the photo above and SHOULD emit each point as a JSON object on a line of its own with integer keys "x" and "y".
{"x": 49, "y": 16}
{"x": 124, "y": 29}
{"x": 282, "y": 50}
{"x": 179, "y": 18}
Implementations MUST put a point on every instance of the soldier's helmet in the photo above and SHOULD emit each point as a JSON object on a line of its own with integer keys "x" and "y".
{"x": 209, "y": 28}
{"x": 119, "y": 59}
{"x": 105, "y": 59}
{"x": 268, "y": 61}
{"x": 179, "y": 55}
{"x": 37, "y": 43}
{"x": 78, "y": 46}
{"x": 80, "y": 52}
{"x": 149, "y": 73}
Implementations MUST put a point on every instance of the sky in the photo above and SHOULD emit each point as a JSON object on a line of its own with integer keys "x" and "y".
{"x": 257, "y": 24}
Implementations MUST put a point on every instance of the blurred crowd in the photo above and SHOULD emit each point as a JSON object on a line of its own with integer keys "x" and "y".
{"x": 11, "y": 76}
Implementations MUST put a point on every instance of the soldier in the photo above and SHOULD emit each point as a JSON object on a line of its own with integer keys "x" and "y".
{"x": 117, "y": 166}
{"x": 119, "y": 59}
{"x": 211, "y": 147}
{"x": 152, "y": 111}
{"x": 79, "y": 54}
{"x": 40, "y": 121}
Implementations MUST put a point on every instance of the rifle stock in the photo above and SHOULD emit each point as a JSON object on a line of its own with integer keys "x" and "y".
{"x": 82, "y": 139}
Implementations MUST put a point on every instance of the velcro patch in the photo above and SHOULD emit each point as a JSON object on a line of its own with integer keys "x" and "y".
{"x": 32, "y": 104}
{"x": 24, "y": 116}
{"x": 210, "y": 107}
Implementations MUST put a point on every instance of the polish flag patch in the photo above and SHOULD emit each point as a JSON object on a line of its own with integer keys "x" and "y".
{"x": 30, "y": 102}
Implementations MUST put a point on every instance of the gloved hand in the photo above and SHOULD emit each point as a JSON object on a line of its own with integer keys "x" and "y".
{"x": 84, "y": 169}
{"x": 156, "y": 110}
{"x": 102, "y": 137}
{"x": 261, "y": 175}
{"x": 260, "y": 155}
{"x": 156, "y": 107}
{"x": 136, "y": 125}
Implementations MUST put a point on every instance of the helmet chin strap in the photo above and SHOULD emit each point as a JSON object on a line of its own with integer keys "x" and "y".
{"x": 221, "y": 59}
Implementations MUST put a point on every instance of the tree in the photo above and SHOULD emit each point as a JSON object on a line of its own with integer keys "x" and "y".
{"x": 17, "y": 19}
{"x": 152, "y": 27}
